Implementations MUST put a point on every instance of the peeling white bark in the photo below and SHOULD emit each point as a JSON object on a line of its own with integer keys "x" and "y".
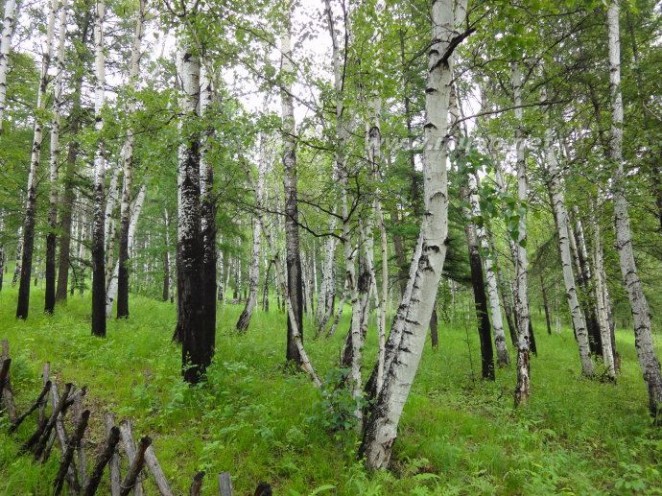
{"x": 561, "y": 214}
{"x": 381, "y": 428}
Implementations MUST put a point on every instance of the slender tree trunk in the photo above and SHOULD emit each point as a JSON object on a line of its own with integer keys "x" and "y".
{"x": 254, "y": 270}
{"x": 19, "y": 256}
{"x": 69, "y": 196}
{"x": 595, "y": 339}
{"x": 8, "y": 25}
{"x": 2, "y": 249}
{"x": 127, "y": 162}
{"x": 51, "y": 238}
{"x": 503, "y": 358}
{"x": 601, "y": 300}
{"x": 545, "y": 303}
{"x": 478, "y": 286}
{"x": 293, "y": 253}
{"x": 136, "y": 209}
{"x": 561, "y": 215}
{"x": 167, "y": 272}
{"x": 98, "y": 234}
{"x": 380, "y": 429}
{"x": 112, "y": 196}
{"x": 22, "y": 307}
{"x": 523, "y": 387}
{"x": 650, "y": 365}
{"x": 265, "y": 288}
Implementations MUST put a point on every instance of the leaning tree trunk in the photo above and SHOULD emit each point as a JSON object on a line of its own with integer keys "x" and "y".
{"x": 254, "y": 270}
{"x": 523, "y": 387}
{"x": 380, "y": 428}
{"x": 98, "y": 233}
{"x": 127, "y": 162}
{"x": 51, "y": 238}
{"x": 561, "y": 215}
{"x": 650, "y": 365}
{"x": 293, "y": 254}
{"x": 22, "y": 307}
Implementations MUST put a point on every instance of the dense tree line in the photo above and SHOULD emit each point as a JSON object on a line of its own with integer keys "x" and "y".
{"x": 372, "y": 157}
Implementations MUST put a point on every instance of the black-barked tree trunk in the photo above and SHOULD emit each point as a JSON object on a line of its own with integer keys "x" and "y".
{"x": 98, "y": 229}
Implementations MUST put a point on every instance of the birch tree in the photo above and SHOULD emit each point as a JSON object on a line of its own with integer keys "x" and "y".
{"x": 522, "y": 389}
{"x": 254, "y": 270}
{"x": 99, "y": 219}
{"x": 127, "y": 167}
{"x": 54, "y": 162}
{"x": 8, "y": 25}
{"x": 22, "y": 308}
{"x": 648, "y": 361}
{"x": 293, "y": 259}
{"x": 380, "y": 428}
{"x": 561, "y": 216}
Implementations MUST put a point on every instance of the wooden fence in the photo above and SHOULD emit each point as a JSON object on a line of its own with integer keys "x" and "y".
{"x": 51, "y": 408}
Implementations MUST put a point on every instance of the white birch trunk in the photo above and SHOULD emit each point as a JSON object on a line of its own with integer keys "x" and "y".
{"x": 328, "y": 291}
{"x": 374, "y": 140}
{"x": 648, "y": 361}
{"x": 523, "y": 387}
{"x": 136, "y": 208}
{"x": 503, "y": 358}
{"x": 254, "y": 269}
{"x": 601, "y": 304}
{"x": 381, "y": 428}
{"x": 561, "y": 214}
{"x": 8, "y": 24}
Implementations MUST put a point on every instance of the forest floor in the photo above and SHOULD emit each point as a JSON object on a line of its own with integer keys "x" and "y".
{"x": 459, "y": 435}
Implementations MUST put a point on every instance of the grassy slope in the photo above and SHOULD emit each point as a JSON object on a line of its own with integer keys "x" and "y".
{"x": 458, "y": 435}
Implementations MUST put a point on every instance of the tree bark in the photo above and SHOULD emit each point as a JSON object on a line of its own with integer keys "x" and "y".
{"x": 478, "y": 286}
{"x": 380, "y": 429}
{"x": 22, "y": 308}
{"x": 196, "y": 356}
{"x": 523, "y": 387}
{"x": 254, "y": 270}
{"x": 136, "y": 209}
{"x": 98, "y": 234}
{"x": 648, "y": 361}
{"x": 293, "y": 258}
{"x": 127, "y": 162}
{"x": 207, "y": 226}
{"x": 8, "y": 25}
{"x": 503, "y": 358}
{"x": 561, "y": 215}
{"x": 68, "y": 195}
{"x": 51, "y": 238}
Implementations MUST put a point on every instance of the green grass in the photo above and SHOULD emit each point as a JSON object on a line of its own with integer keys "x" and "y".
{"x": 458, "y": 435}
